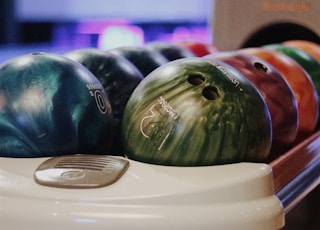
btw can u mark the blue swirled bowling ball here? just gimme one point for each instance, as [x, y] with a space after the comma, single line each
[51, 105]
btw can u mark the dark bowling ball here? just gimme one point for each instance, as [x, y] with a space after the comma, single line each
[277, 93]
[144, 59]
[119, 78]
[170, 51]
[51, 105]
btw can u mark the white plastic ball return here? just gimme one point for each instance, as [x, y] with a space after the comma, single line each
[109, 192]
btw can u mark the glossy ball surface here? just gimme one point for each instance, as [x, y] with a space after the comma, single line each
[119, 78]
[301, 85]
[278, 95]
[200, 49]
[50, 105]
[195, 112]
[145, 60]
[310, 47]
[170, 50]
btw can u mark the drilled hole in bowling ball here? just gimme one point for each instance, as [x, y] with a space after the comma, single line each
[261, 67]
[210, 93]
[196, 79]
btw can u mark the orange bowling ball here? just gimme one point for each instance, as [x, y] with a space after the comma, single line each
[301, 85]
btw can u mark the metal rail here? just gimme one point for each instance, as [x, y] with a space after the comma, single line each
[297, 172]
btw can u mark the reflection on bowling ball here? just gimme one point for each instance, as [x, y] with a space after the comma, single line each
[51, 105]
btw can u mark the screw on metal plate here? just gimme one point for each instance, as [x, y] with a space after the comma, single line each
[81, 171]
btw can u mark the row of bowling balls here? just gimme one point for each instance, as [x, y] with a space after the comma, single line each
[177, 127]
[163, 103]
[289, 81]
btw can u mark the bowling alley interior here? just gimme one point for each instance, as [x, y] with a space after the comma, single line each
[215, 27]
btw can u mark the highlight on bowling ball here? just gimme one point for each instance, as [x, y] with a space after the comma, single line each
[51, 105]
[196, 112]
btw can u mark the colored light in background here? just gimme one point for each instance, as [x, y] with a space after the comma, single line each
[121, 35]
[111, 33]
[185, 33]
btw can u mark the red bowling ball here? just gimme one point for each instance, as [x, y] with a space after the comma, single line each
[301, 84]
[278, 95]
[200, 49]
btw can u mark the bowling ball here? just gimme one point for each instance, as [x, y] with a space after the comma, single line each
[170, 50]
[278, 95]
[119, 78]
[310, 47]
[196, 112]
[51, 105]
[200, 49]
[145, 60]
[306, 61]
[301, 85]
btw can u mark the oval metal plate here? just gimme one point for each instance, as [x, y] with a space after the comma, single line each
[81, 171]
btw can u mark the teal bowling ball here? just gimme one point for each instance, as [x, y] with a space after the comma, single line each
[51, 105]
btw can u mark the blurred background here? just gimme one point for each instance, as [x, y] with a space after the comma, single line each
[70, 24]
[63, 25]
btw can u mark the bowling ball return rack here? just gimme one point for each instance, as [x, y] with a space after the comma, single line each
[144, 196]
[297, 172]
